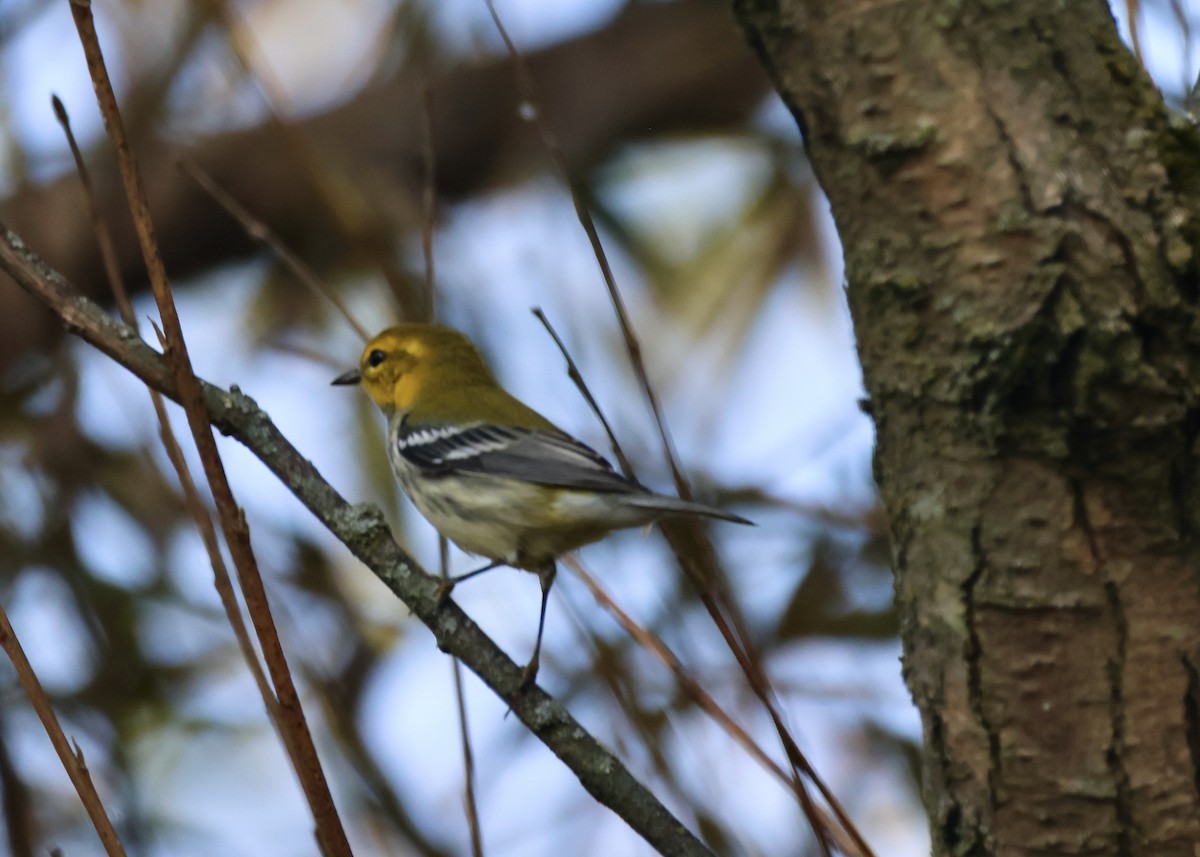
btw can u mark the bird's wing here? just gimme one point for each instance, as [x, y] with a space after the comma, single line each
[542, 456]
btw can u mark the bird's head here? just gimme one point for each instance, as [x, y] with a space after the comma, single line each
[404, 363]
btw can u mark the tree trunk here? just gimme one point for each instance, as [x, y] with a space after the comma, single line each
[1019, 217]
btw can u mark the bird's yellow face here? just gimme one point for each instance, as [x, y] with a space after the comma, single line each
[400, 363]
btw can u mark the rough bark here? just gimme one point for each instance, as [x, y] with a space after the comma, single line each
[344, 186]
[1019, 218]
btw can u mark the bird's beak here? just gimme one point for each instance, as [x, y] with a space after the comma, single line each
[347, 378]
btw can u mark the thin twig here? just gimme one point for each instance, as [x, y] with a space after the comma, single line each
[575, 375]
[1132, 9]
[429, 203]
[650, 641]
[249, 55]
[17, 802]
[698, 557]
[532, 103]
[428, 196]
[752, 668]
[653, 643]
[1191, 87]
[331, 836]
[201, 515]
[607, 668]
[72, 759]
[363, 530]
[464, 733]
[108, 252]
[350, 212]
[341, 695]
[259, 231]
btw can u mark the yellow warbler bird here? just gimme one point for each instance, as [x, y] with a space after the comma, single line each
[490, 473]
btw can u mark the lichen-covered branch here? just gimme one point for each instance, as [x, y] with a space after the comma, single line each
[362, 529]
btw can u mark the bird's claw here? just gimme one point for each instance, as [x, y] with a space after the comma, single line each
[443, 591]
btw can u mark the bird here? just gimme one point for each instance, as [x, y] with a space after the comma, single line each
[491, 474]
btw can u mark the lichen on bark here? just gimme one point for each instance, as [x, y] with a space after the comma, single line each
[1018, 213]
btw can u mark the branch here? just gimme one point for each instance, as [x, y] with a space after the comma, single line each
[289, 716]
[686, 538]
[72, 760]
[222, 582]
[362, 529]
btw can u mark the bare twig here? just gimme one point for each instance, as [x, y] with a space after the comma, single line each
[652, 643]
[686, 539]
[329, 831]
[1132, 9]
[532, 105]
[16, 802]
[464, 733]
[606, 667]
[429, 202]
[575, 375]
[72, 759]
[250, 57]
[1184, 22]
[341, 694]
[363, 530]
[695, 691]
[108, 252]
[428, 196]
[259, 231]
[200, 514]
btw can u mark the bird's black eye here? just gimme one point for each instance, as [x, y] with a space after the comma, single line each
[376, 357]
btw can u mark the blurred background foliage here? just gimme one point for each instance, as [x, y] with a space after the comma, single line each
[311, 115]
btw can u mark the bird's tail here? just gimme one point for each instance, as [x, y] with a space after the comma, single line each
[674, 506]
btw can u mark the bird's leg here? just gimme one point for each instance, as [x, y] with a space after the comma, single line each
[546, 576]
[448, 583]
